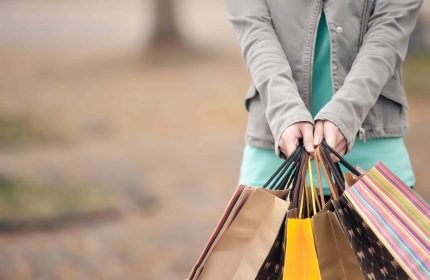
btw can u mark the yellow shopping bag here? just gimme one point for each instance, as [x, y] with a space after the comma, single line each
[301, 261]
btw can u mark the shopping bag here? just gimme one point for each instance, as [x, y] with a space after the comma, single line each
[300, 258]
[248, 229]
[397, 215]
[245, 237]
[376, 262]
[335, 256]
[236, 202]
[272, 267]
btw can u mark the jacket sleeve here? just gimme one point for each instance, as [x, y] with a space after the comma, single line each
[383, 51]
[268, 65]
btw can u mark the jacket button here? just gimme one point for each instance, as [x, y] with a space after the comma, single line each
[339, 29]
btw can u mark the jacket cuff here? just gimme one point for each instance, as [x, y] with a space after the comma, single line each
[349, 134]
[283, 123]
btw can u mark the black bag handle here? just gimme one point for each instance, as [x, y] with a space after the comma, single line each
[283, 184]
[299, 184]
[333, 169]
[341, 159]
[281, 172]
[288, 178]
[285, 171]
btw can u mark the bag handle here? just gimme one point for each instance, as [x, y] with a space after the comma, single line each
[311, 183]
[288, 179]
[326, 170]
[325, 153]
[284, 171]
[341, 159]
[297, 190]
[334, 170]
[319, 180]
[291, 175]
[306, 198]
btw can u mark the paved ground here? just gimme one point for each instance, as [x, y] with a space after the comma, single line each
[177, 143]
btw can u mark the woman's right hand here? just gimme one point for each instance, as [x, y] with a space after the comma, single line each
[292, 134]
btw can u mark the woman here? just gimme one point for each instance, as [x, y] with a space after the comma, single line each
[324, 69]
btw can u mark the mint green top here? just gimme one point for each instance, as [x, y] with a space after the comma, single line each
[258, 164]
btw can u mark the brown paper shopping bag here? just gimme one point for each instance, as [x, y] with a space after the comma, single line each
[335, 256]
[246, 243]
[236, 202]
[248, 229]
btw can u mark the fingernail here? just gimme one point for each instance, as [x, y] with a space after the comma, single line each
[310, 148]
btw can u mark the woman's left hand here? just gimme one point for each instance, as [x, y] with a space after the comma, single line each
[331, 133]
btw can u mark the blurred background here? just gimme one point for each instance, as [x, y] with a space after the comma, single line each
[121, 133]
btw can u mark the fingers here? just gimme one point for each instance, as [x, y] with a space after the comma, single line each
[341, 147]
[312, 137]
[283, 147]
[318, 133]
[290, 138]
[330, 134]
[292, 143]
[308, 137]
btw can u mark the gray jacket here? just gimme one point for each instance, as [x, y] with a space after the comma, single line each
[369, 41]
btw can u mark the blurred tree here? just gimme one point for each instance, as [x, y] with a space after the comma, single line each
[166, 29]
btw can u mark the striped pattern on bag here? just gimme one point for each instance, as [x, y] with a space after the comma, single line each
[398, 216]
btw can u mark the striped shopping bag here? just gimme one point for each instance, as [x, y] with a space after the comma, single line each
[398, 217]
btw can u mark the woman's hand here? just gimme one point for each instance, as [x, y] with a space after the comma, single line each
[334, 138]
[292, 134]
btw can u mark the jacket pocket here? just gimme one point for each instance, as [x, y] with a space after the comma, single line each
[250, 94]
[394, 90]
[258, 128]
[390, 109]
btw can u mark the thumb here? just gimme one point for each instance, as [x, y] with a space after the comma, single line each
[330, 134]
[291, 143]
[308, 137]
[318, 133]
